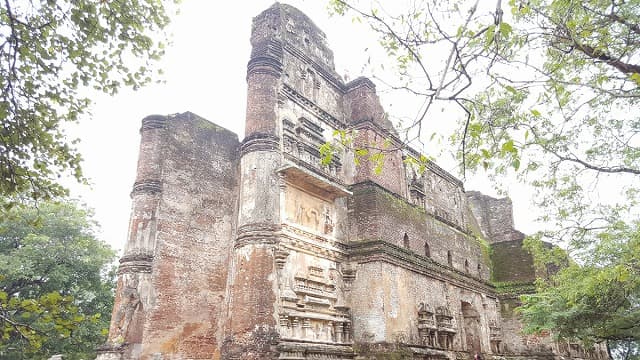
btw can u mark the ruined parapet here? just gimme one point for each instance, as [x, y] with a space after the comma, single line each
[362, 104]
[135, 293]
[180, 235]
[376, 134]
[495, 217]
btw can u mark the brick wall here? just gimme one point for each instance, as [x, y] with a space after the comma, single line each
[195, 231]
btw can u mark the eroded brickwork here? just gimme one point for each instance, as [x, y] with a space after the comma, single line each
[259, 250]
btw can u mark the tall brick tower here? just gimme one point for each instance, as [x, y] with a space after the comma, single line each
[290, 70]
[170, 297]
[251, 329]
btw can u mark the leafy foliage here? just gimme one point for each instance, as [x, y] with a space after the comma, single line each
[56, 295]
[51, 52]
[594, 301]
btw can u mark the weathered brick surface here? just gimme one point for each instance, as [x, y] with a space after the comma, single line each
[197, 220]
[378, 214]
[495, 217]
[389, 174]
[511, 263]
[261, 111]
[251, 325]
[260, 250]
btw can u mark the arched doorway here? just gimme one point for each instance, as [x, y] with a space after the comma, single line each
[471, 321]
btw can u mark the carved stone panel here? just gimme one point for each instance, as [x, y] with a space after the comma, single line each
[311, 305]
[309, 211]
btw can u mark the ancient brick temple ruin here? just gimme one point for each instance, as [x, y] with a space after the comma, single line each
[253, 249]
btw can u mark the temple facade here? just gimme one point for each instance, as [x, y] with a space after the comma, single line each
[259, 249]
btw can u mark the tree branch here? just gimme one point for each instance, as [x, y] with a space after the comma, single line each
[601, 55]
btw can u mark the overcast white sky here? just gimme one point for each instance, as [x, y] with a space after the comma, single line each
[205, 73]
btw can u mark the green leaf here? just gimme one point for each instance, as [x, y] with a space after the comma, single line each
[508, 147]
[489, 35]
[505, 30]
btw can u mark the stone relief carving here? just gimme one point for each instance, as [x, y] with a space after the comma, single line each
[302, 141]
[427, 329]
[129, 304]
[290, 26]
[495, 336]
[309, 211]
[435, 328]
[312, 311]
[328, 221]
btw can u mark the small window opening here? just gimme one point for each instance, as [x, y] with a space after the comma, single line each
[466, 266]
[427, 251]
[449, 258]
[405, 240]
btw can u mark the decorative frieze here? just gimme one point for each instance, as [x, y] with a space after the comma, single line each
[312, 107]
[446, 329]
[435, 328]
[310, 310]
[302, 141]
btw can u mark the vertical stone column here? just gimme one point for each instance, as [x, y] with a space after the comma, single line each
[252, 326]
[306, 329]
[338, 331]
[134, 292]
[296, 328]
[347, 332]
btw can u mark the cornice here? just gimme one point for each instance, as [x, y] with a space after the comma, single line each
[291, 94]
[378, 250]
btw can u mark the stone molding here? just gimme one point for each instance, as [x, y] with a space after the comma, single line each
[303, 241]
[266, 58]
[154, 122]
[257, 233]
[110, 351]
[260, 142]
[359, 82]
[379, 250]
[301, 349]
[146, 186]
[135, 263]
[312, 107]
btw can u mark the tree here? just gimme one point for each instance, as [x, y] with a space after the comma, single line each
[51, 53]
[594, 301]
[545, 91]
[56, 283]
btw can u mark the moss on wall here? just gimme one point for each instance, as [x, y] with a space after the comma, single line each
[511, 263]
